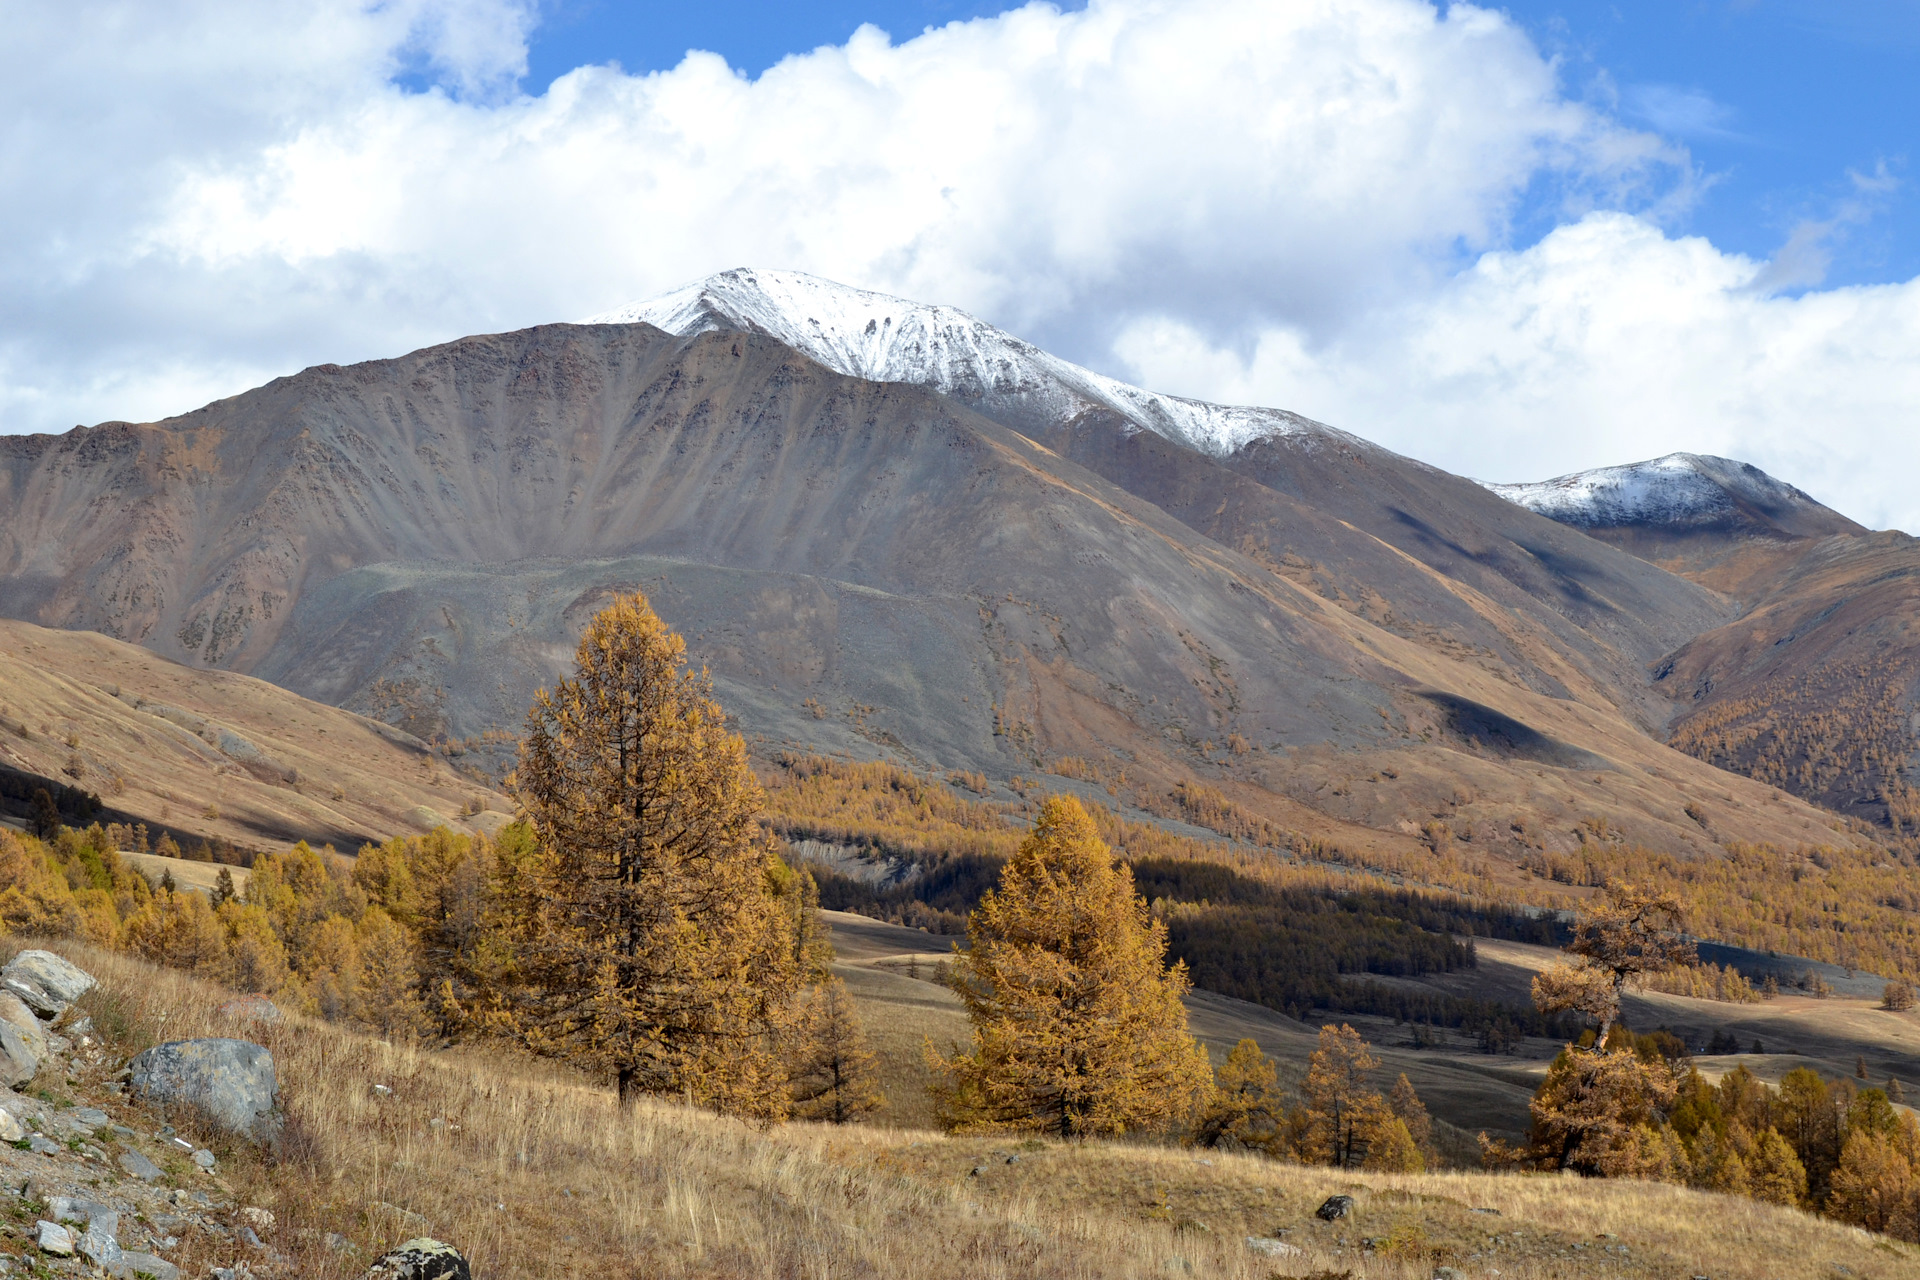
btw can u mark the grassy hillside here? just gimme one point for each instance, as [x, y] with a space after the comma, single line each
[538, 1174]
[210, 753]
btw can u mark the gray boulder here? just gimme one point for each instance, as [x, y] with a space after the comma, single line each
[98, 1245]
[46, 983]
[18, 1061]
[421, 1259]
[1334, 1207]
[1273, 1247]
[230, 1082]
[14, 1011]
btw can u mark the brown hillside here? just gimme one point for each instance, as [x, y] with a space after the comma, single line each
[1816, 687]
[177, 746]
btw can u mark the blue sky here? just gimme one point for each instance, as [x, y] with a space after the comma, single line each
[1799, 114]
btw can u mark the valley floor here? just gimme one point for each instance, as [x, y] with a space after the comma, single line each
[1467, 1090]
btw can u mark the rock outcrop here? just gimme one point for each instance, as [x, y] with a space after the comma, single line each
[45, 982]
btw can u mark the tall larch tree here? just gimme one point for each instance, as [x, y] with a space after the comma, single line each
[1601, 1110]
[1627, 933]
[642, 933]
[1078, 1027]
[835, 1075]
[1246, 1107]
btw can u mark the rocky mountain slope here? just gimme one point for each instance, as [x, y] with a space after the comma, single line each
[1815, 686]
[1008, 566]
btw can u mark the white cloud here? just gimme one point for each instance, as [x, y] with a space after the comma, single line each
[1609, 341]
[1305, 203]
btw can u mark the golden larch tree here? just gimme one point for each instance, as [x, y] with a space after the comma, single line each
[1078, 1027]
[1246, 1107]
[642, 932]
[1603, 1110]
[835, 1075]
[1346, 1121]
[1628, 933]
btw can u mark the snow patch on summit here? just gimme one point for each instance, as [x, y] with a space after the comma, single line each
[886, 339]
[1677, 491]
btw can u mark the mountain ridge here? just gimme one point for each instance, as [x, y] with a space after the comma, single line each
[1350, 642]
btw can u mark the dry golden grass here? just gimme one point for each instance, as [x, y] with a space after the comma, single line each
[535, 1173]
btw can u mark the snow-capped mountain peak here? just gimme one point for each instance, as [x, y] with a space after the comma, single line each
[886, 339]
[1681, 490]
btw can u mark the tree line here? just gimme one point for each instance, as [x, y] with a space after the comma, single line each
[1294, 948]
[1614, 1104]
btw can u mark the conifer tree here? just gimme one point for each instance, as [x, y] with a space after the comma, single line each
[1629, 932]
[1246, 1108]
[1601, 1113]
[1405, 1103]
[1078, 1027]
[1778, 1177]
[44, 820]
[1347, 1122]
[388, 979]
[641, 935]
[835, 1077]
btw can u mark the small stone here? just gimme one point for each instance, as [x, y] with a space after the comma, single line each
[261, 1219]
[383, 1091]
[91, 1117]
[1334, 1207]
[249, 1237]
[98, 1245]
[339, 1243]
[11, 1130]
[133, 1264]
[421, 1259]
[1449, 1273]
[46, 983]
[1268, 1247]
[138, 1166]
[54, 1239]
[44, 1146]
[203, 1158]
[81, 1027]
[74, 1209]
